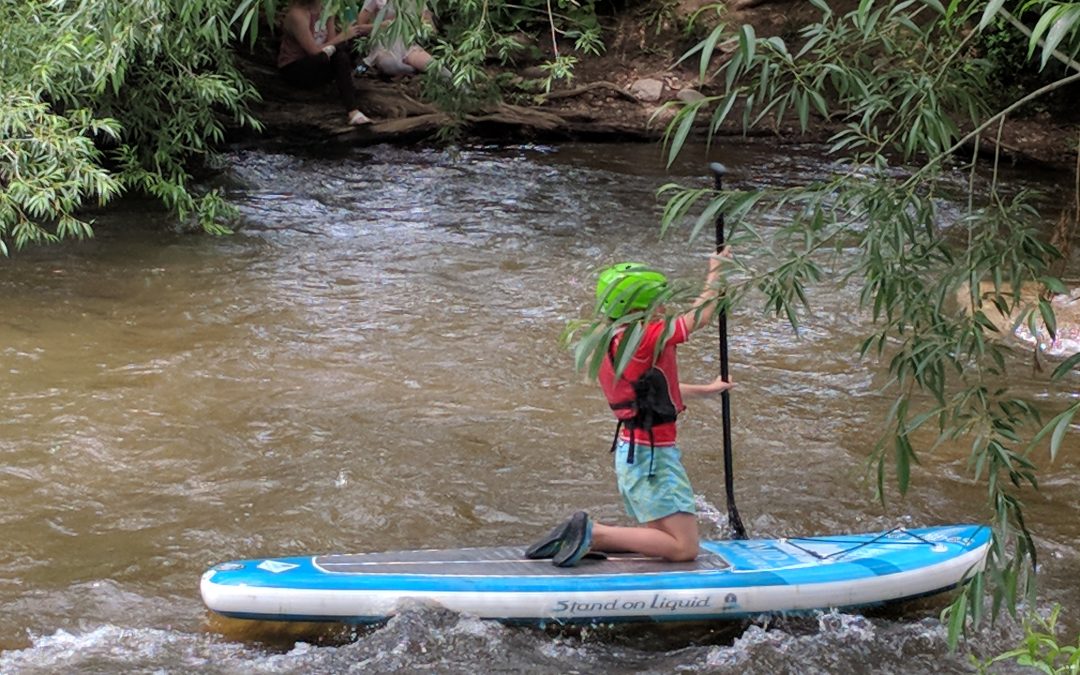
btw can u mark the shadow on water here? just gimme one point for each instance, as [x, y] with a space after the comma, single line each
[283, 635]
[663, 636]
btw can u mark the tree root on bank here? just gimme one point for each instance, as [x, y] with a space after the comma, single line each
[592, 86]
[294, 117]
[520, 116]
[400, 118]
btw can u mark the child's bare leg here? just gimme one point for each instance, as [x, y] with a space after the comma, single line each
[673, 538]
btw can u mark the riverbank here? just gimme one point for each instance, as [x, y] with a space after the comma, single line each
[628, 93]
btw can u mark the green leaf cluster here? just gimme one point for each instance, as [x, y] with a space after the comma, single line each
[893, 72]
[1041, 649]
[107, 96]
[475, 32]
[1058, 26]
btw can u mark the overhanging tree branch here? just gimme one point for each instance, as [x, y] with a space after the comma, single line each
[1071, 63]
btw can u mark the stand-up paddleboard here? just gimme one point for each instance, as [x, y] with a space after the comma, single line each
[730, 579]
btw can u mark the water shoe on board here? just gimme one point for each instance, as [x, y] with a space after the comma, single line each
[576, 541]
[549, 545]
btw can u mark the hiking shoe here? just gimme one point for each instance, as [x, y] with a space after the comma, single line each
[549, 545]
[575, 542]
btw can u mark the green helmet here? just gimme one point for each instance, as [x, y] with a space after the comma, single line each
[627, 287]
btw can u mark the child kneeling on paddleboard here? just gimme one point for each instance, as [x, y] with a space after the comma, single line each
[646, 399]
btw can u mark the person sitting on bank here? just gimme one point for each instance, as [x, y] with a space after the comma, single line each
[312, 53]
[393, 59]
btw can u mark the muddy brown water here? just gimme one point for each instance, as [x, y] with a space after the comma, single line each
[374, 363]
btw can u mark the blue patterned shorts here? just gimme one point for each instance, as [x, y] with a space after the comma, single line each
[648, 498]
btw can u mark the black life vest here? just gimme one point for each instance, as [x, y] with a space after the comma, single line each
[651, 405]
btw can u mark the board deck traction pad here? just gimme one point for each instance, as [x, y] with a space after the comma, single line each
[501, 561]
[503, 584]
[504, 561]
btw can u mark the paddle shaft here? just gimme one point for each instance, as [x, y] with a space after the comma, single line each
[725, 397]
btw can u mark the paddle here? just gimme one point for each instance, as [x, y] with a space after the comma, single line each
[734, 521]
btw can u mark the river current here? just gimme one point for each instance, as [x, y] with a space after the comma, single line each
[373, 362]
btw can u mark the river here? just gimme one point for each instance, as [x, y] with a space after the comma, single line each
[374, 363]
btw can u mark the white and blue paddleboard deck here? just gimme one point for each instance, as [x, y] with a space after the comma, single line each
[730, 579]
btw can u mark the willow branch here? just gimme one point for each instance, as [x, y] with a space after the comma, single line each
[554, 37]
[1065, 81]
[1042, 43]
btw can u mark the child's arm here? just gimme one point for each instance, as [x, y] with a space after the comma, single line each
[699, 390]
[701, 312]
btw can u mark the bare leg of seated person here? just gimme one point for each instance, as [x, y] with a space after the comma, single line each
[342, 66]
[390, 65]
[418, 58]
[317, 69]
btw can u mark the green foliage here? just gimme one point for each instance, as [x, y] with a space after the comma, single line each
[900, 78]
[1008, 51]
[1040, 649]
[562, 68]
[1058, 25]
[474, 32]
[1010, 70]
[892, 74]
[48, 170]
[107, 96]
[661, 15]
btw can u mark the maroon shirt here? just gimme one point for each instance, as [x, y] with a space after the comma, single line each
[291, 50]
